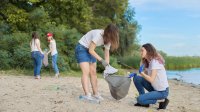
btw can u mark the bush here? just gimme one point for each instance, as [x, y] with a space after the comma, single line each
[5, 59]
[63, 63]
[22, 57]
[131, 61]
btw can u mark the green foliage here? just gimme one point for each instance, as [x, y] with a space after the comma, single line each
[34, 1]
[176, 63]
[130, 61]
[75, 13]
[17, 50]
[107, 11]
[128, 29]
[62, 63]
[68, 20]
[22, 57]
[39, 18]
[16, 17]
[5, 59]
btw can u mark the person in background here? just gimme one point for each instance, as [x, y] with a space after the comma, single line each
[154, 79]
[54, 53]
[36, 54]
[86, 56]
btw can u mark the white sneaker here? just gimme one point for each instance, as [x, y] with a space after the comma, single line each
[57, 75]
[85, 97]
[37, 77]
[88, 98]
[98, 97]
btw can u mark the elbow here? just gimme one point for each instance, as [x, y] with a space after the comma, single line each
[91, 51]
[151, 80]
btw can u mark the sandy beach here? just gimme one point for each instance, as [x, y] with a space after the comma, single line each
[25, 94]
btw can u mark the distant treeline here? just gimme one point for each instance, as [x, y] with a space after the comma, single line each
[171, 62]
[186, 62]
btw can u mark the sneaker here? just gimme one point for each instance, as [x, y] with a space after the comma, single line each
[88, 98]
[163, 105]
[137, 104]
[98, 97]
[37, 77]
[57, 75]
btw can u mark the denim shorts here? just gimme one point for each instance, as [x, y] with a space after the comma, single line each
[83, 55]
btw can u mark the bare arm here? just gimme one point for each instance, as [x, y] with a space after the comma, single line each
[92, 51]
[50, 49]
[107, 55]
[150, 78]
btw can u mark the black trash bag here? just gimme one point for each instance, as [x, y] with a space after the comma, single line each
[118, 85]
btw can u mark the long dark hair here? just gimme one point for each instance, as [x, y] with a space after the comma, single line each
[151, 54]
[34, 36]
[111, 35]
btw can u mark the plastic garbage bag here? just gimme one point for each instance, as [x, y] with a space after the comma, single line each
[45, 59]
[118, 85]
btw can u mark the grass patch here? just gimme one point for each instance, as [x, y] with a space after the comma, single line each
[71, 73]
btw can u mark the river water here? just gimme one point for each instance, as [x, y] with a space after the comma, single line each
[188, 76]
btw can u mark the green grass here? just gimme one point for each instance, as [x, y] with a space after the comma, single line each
[20, 72]
[45, 73]
[178, 63]
[171, 62]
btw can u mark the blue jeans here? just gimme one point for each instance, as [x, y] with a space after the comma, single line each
[54, 63]
[37, 61]
[152, 96]
[83, 55]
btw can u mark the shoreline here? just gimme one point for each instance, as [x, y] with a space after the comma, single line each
[181, 82]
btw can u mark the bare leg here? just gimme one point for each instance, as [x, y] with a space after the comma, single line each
[93, 78]
[84, 79]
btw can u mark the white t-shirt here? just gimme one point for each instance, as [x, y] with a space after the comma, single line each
[52, 46]
[95, 36]
[160, 83]
[33, 45]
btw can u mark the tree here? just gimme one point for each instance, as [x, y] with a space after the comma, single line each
[128, 30]
[74, 13]
[107, 11]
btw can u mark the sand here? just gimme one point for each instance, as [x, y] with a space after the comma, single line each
[26, 94]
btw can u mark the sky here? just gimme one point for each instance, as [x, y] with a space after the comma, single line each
[172, 26]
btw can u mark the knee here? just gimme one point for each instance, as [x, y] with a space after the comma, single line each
[137, 79]
[140, 100]
[93, 72]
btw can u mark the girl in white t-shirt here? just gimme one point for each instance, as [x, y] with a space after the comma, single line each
[154, 79]
[54, 53]
[86, 56]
